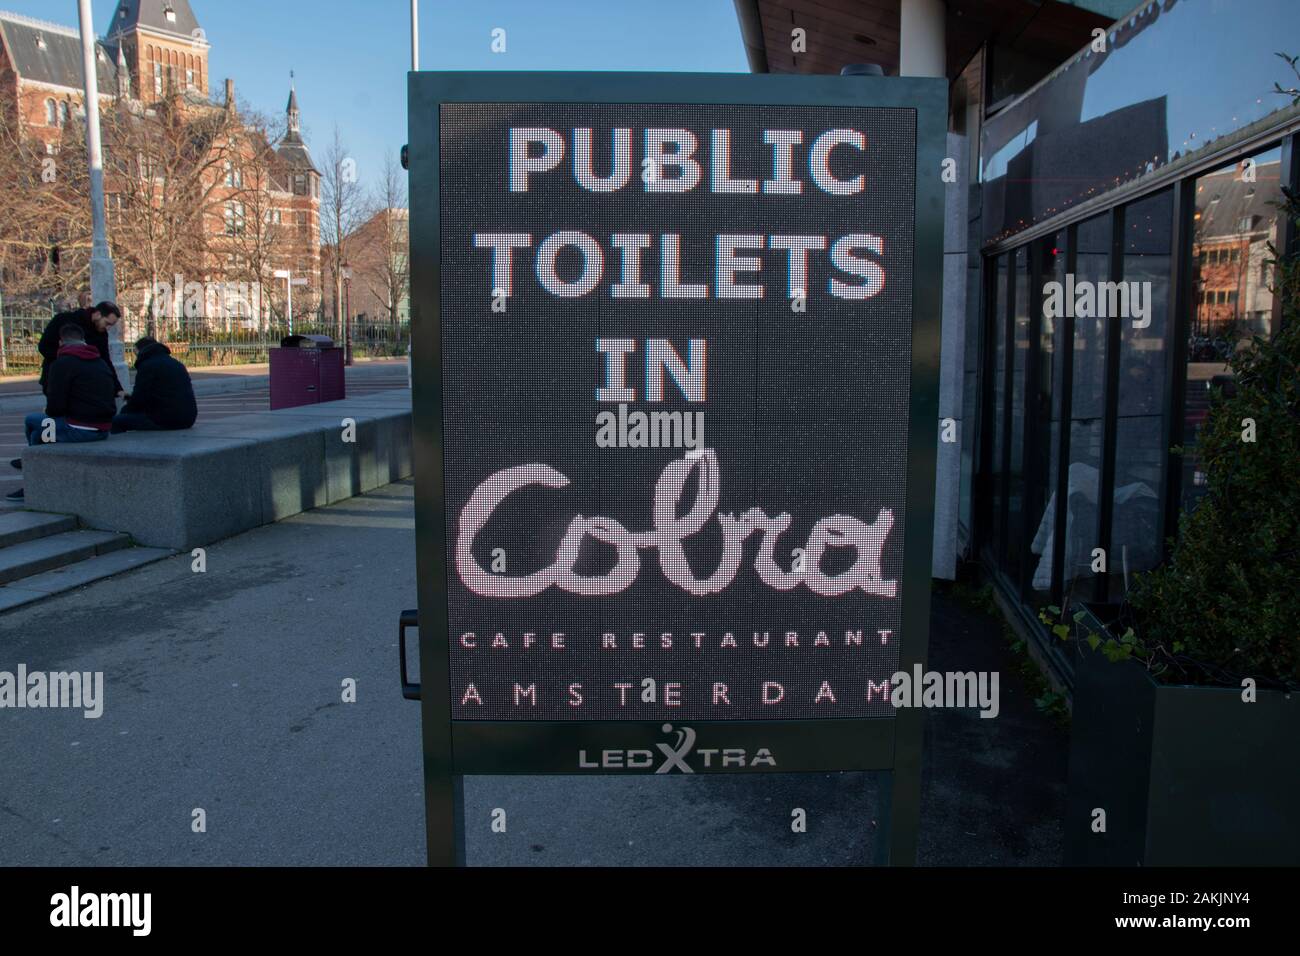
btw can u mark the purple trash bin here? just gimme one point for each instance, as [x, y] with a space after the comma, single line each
[306, 370]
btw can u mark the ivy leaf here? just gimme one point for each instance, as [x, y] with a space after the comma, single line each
[1062, 631]
[1093, 641]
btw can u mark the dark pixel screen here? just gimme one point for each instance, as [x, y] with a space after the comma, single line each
[676, 345]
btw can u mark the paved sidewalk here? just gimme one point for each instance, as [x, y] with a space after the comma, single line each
[222, 692]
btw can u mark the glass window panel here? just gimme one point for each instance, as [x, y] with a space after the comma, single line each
[1015, 482]
[1042, 484]
[1140, 450]
[998, 328]
[1087, 409]
[1175, 77]
[970, 403]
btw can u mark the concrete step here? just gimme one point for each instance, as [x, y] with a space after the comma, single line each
[80, 573]
[56, 550]
[19, 526]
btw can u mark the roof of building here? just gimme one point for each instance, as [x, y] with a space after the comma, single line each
[162, 16]
[291, 149]
[294, 152]
[843, 32]
[1225, 200]
[51, 53]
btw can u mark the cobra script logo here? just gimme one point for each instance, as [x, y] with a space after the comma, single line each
[676, 755]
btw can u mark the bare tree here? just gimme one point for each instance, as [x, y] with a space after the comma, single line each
[388, 272]
[44, 217]
[342, 207]
[251, 251]
[171, 174]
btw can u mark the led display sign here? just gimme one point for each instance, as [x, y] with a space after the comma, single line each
[675, 389]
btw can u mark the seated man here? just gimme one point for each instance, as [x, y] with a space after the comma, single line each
[80, 391]
[163, 396]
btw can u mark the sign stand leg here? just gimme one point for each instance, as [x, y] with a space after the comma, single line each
[458, 832]
[883, 834]
[443, 819]
[905, 800]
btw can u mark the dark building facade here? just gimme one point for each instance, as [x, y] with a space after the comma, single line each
[1108, 240]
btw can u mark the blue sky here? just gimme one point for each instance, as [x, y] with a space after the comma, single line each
[350, 57]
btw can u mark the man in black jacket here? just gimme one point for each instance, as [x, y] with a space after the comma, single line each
[79, 396]
[94, 323]
[163, 396]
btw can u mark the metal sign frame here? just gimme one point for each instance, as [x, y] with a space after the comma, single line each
[453, 748]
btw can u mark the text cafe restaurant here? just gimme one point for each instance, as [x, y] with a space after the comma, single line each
[1096, 142]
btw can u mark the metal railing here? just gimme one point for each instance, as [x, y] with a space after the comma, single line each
[19, 335]
[201, 341]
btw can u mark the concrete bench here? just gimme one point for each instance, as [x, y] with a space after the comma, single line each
[186, 489]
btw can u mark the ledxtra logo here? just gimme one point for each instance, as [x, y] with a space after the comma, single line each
[675, 755]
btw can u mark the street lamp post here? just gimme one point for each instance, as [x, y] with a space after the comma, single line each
[103, 281]
[347, 314]
[415, 34]
[287, 276]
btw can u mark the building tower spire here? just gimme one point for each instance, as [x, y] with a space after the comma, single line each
[123, 72]
[292, 109]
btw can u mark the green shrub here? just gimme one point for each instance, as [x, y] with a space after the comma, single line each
[1226, 598]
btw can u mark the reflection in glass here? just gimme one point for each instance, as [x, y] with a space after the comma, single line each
[1232, 298]
[1175, 78]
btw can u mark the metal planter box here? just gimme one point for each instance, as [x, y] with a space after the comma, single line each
[1187, 775]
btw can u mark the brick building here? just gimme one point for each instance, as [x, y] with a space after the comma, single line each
[376, 253]
[153, 65]
[1234, 222]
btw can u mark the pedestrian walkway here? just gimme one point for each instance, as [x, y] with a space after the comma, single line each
[222, 691]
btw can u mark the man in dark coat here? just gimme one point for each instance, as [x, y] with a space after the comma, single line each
[94, 323]
[163, 396]
[79, 396]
